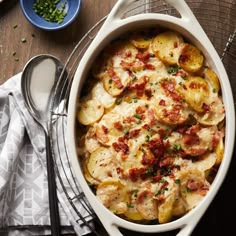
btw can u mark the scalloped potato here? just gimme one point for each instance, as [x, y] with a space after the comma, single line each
[152, 126]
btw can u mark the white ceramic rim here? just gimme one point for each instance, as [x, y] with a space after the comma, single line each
[188, 26]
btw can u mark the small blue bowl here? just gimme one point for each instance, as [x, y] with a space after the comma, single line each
[72, 9]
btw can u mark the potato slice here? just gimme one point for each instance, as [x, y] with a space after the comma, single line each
[193, 187]
[165, 209]
[132, 213]
[147, 205]
[100, 94]
[191, 58]
[87, 175]
[179, 207]
[195, 91]
[219, 150]
[140, 41]
[215, 115]
[206, 162]
[112, 193]
[101, 164]
[90, 111]
[91, 143]
[213, 79]
[166, 46]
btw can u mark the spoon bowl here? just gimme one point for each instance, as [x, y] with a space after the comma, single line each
[39, 79]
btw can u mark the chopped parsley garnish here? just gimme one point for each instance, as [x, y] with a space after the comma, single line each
[173, 70]
[50, 11]
[118, 101]
[137, 116]
[129, 205]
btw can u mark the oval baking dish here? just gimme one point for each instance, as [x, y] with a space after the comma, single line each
[113, 28]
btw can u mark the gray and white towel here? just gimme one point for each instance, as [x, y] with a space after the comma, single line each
[23, 177]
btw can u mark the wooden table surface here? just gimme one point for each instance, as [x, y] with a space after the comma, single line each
[14, 54]
[14, 27]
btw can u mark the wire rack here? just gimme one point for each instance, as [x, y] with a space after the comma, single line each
[218, 19]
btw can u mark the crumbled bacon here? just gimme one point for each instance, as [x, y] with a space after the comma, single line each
[157, 147]
[118, 125]
[162, 102]
[149, 66]
[140, 110]
[105, 129]
[143, 56]
[169, 88]
[121, 147]
[191, 139]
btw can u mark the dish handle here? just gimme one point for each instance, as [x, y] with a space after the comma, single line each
[185, 230]
[187, 16]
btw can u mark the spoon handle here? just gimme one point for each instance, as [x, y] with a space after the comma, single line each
[52, 190]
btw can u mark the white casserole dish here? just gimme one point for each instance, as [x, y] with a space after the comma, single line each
[189, 27]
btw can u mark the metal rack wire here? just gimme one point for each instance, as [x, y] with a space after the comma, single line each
[218, 19]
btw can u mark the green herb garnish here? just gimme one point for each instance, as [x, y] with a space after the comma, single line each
[50, 10]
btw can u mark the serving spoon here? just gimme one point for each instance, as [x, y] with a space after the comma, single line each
[38, 82]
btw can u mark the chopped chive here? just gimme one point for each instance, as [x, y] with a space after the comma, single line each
[50, 10]
[23, 40]
[15, 26]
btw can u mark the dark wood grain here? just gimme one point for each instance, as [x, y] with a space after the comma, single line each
[59, 43]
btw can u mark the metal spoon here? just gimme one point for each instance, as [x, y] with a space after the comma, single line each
[38, 81]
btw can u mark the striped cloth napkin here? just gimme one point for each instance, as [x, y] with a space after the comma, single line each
[23, 177]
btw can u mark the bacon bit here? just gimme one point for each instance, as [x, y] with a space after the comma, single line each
[216, 138]
[105, 129]
[143, 56]
[135, 173]
[102, 137]
[206, 107]
[156, 178]
[160, 197]
[175, 44]
[124, 157]
[169, 88]
[194, 185]
[149, 160]
[118, 125]
[148, 93]
[125, 65]
[151, 117]
[130, 119]
[157, 147]
[162, 102]
[181, 73]
[121, 147]
[111, 72]
[164, 185]
[191, 139]
[140, 110]
[133, 133]
[119, 170]
[117, 81]
[162, 133]
[139, 86]
[193, 129]
[167, 161]
[149, 66]
[146, 126]
[182, 129]
[174, 113]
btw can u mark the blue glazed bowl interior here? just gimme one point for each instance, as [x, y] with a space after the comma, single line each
[72, 9]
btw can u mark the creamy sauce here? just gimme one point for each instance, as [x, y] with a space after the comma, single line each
[43, 78]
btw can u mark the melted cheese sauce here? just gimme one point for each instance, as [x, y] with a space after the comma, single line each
[153, 151]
